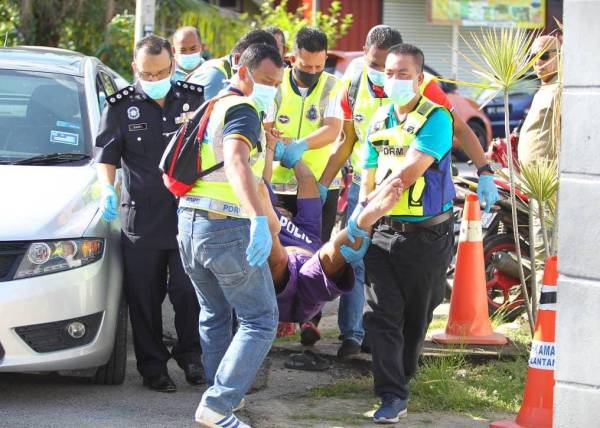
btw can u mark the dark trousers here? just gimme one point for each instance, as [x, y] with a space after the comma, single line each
[329, 212]
[406, 278]
[149, 275]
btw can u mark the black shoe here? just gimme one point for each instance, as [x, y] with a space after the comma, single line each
[348, 348]
[160, 383]
[194, 374]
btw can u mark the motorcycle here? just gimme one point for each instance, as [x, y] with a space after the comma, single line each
[505, 296]
[498, 149]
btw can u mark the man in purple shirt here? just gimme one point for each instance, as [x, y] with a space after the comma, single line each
[306, 273]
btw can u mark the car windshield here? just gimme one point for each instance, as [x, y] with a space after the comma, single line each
[40, 114]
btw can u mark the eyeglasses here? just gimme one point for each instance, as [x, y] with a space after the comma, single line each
[161, 74]
[544, 57]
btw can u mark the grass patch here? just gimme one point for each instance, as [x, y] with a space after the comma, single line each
[452, 384]
[344, 388]
[437, 323]
[331, 334]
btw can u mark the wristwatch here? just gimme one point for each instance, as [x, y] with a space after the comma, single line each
[485, 168]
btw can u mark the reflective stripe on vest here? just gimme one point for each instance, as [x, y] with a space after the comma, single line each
[363, 110]
[392, 145]
[297, 116]
[213, 191]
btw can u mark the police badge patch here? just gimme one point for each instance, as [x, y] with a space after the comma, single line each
[312, 114]
[133, 113]
[283, 119]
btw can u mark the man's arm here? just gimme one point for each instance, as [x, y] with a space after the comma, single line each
[106, 173]
[307, 185]
[332, 261]
[109, 144]
[325, 134]
[468, 141]
[466, 138]
[340, 152]
[241, 178]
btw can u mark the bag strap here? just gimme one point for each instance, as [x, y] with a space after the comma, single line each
[353, 88]
[208, 106]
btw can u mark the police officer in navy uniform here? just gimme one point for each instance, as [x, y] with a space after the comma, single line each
[135, 129]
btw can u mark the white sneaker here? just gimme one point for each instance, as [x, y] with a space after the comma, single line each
[240, 406]
[208, 418]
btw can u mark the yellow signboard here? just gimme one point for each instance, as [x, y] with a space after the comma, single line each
[487, 13]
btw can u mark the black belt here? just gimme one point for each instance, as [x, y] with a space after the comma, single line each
[405, 226]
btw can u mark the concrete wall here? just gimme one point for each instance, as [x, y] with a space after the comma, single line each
[577, 390]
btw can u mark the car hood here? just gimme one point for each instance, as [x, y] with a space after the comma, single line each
[46, 202]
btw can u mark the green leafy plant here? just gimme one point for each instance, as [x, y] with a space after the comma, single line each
[501, 60]
[116, 50]
[331, 23]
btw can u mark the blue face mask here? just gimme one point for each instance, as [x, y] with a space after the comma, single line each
[375, 76]
[399, 91]
[189, 61]
[263, 95]
[157, 89]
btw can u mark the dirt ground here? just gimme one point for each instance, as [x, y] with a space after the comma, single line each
[286, 402]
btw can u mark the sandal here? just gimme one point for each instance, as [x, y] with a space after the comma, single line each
[307, 360]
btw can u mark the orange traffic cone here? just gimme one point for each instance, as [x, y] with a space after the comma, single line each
[536, 411]
[468, 321]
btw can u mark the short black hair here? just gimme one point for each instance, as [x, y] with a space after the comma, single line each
[252, 37]
[154, 45]
[383, 37]
[256, 53]
[273, 30]
[407, 49]
[310, 39]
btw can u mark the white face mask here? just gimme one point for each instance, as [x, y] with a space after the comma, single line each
[262, 95]
[189, 61]
[399, 91]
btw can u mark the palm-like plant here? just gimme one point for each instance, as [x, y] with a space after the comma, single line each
[501, 60]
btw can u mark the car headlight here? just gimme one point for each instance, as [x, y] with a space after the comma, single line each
[47, 257]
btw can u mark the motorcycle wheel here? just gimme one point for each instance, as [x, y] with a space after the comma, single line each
[505, 296]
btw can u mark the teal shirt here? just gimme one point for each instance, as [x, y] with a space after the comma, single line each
[434, 139]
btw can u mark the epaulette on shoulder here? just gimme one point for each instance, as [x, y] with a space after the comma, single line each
[124, 93]
[193, 87]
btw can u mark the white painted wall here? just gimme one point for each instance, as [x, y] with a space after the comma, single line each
[577, 390]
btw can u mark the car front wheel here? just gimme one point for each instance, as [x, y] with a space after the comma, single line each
[113, 372]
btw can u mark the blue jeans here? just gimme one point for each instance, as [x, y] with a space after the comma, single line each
[213, 253]
[350, 312]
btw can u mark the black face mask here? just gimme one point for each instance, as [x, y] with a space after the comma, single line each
[307, 79]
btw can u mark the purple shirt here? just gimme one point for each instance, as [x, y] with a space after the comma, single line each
[308, 288]
[304, 229]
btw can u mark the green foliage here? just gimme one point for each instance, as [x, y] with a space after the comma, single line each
[116, 50]
[219, 33]
[9, 19]
[331, 23]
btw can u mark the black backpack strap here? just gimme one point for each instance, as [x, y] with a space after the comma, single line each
[211, 169]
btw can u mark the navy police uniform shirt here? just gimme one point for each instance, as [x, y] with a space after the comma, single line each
[134, 132]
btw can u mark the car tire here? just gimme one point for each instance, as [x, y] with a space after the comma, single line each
[113, 372]
[479, 129]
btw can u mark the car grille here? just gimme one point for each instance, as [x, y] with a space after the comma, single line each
[10, 257]
[53, 336]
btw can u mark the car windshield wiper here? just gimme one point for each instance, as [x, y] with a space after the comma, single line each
[52, 158]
